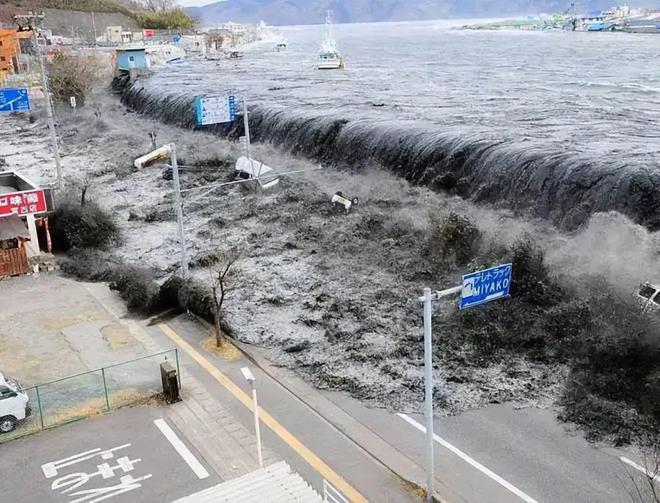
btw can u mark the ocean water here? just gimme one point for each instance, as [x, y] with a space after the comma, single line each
[556, 124]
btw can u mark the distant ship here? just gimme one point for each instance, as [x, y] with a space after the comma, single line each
[648, 25]
[329, 57]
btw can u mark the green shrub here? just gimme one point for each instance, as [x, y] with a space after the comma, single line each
[88, 265]
[137, 286]
[82, 226]
[454, 239]
[164, 20]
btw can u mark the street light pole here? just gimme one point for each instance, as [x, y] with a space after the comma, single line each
[253, 383]
[428, 391]
[179, 210]
[427, 299]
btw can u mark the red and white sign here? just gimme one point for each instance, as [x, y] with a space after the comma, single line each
[148, 33]
[23, 203]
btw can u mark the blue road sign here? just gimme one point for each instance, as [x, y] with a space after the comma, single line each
[14, 100]
[483, 286]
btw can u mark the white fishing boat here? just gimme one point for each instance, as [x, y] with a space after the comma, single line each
[329, 57]
[282, 43]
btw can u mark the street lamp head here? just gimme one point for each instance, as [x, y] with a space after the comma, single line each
[249, 376]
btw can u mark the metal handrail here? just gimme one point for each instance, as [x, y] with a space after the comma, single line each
[332, 495]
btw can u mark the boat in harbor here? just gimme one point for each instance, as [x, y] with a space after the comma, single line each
[329, 57]
[649, 24]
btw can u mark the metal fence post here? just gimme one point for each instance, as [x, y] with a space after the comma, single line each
[178, 369]
[41, 414]
[105, 389]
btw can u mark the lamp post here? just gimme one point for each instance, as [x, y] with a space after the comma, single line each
[476, 288]
[249, 377]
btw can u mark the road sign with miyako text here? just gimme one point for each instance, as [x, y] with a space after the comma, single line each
[484, 286]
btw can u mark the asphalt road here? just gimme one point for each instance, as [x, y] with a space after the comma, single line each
[118, 457]
[310, 432]
[495, 454]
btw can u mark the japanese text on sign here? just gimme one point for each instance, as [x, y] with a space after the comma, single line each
[215, 109]
[73, 484]
[483, 286]
[23, 203]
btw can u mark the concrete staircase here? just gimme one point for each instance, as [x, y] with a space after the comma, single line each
[273, 484]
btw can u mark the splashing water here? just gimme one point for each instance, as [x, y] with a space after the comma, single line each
[553, 125]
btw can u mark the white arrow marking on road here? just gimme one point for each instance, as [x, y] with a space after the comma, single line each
[181, 448]
[627, 461]
[471, 461]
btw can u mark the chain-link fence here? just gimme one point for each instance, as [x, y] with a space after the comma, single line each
[83, 395]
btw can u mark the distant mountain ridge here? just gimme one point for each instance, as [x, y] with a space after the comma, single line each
[292, 12]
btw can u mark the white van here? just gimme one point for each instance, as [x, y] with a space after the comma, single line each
[14, 404]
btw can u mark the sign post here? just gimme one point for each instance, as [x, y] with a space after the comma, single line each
[476, 288]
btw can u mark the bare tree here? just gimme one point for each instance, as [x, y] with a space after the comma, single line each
[646, 489]
[71, 75]
[159, 5]
[224, 280]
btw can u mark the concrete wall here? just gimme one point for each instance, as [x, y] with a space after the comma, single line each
[62, 21]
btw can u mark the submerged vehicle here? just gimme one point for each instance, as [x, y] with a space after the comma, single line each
[329, 57]
[649, 296]
[338, 199]
[14, 404]
[262, 175]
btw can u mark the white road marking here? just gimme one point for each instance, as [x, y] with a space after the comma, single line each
[627, 461]
[181, 448]
[471, 461]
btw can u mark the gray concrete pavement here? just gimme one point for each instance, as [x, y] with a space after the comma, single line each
[359, 469]
[531, 455]
[123, 456]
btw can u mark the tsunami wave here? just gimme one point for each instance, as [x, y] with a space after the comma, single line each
[561, 187]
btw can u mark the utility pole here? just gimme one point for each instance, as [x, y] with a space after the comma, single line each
[246, 126]
[179, 210]
[30, 22]
[94, 27]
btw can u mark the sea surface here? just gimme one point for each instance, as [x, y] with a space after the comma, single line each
[584, 106]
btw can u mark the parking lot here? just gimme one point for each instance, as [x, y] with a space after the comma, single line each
[133, 454]
[63, 342]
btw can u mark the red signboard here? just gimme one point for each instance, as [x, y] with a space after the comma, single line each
[148, 34]
[23, 203]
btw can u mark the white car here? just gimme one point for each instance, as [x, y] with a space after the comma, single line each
[649, 295]
[14, 404]
[257, 171]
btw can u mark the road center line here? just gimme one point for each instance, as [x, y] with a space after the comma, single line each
[630, 462]
[471, 461]
[312, 459]
[181, 448]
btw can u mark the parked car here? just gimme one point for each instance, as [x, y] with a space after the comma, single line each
[14, 404]
[649, 295]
